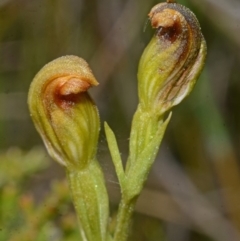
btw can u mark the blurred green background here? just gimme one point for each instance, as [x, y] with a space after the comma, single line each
[193, 192]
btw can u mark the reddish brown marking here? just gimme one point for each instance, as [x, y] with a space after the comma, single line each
[67, 101]
[170, 33]
[64, 92]
[68, 95]
[168, 24]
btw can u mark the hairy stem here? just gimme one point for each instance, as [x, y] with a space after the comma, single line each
[90, 200]
[124, 219]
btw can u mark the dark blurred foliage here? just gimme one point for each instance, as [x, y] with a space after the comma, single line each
[193, 192]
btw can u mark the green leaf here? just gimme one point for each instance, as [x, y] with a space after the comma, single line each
[115, 154]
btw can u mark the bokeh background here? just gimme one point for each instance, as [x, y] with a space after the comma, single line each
[193, 191]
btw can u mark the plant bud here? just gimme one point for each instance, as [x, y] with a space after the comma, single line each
[63, 112]
[173, 59]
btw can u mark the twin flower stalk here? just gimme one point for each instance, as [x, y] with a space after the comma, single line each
[67, 118]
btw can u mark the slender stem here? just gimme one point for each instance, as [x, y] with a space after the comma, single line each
[90, 200]
[124, 219]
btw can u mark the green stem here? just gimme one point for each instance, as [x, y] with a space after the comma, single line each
[148, 129]
[145, 124]
[124, 219]
[90, 200]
